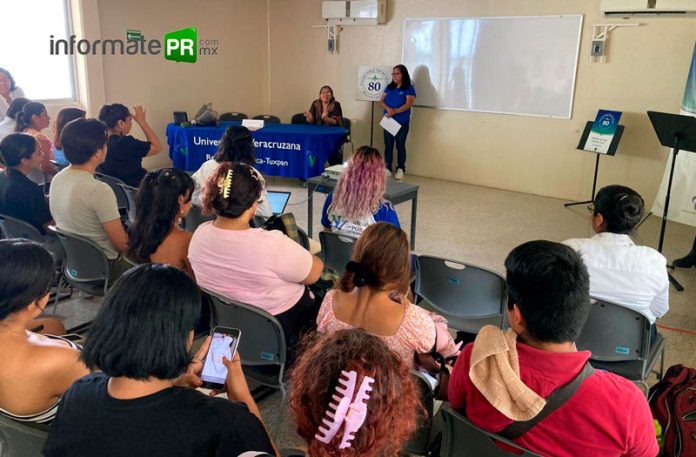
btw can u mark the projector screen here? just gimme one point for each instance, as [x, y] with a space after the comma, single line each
[509, 65]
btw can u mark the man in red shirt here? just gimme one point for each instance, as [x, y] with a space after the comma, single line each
[548, 303]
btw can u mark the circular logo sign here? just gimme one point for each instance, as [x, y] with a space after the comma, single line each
[372, 83]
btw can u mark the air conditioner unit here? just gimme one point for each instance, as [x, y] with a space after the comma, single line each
[647, 7]
[354, 12]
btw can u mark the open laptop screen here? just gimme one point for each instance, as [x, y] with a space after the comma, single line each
[278, 201]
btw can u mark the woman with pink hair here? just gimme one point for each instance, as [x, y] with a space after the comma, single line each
[358, 200]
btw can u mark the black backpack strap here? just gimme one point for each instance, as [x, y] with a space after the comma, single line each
[555, 400]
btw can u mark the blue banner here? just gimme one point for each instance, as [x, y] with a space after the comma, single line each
[295, 151]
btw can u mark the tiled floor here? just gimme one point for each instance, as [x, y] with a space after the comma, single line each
[481, 226]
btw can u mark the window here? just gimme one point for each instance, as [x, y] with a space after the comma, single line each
[25, 35]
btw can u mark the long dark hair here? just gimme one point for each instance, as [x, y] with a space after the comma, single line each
[405, 78]
[237, 145]
[64, 116]
[156, 209]
[24, 117]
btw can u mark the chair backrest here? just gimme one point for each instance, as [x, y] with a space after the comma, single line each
[461, 438]
[233, 116]
[262, 341]
[267, 118]
[129, 192]
[299, 118]
[346, 124]
[336, 250]
[468, 296]
[85, 262]
[614, 333]
[115, 184]
[194, 218]
[17, 228]
[20, 440]
[419, 441]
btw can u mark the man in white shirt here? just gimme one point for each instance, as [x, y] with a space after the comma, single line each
[621, 272]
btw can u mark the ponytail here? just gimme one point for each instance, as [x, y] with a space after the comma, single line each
[25, 116]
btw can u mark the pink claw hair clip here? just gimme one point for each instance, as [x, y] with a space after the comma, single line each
[345, 409]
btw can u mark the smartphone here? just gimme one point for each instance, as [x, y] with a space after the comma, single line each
[224, 343]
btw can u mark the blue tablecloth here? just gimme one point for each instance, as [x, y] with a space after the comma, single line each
[296, 151]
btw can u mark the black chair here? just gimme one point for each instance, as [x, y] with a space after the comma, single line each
[461, 438]
[194, 218]
[16, 228]
[299, 119]
[86, 267]
[267, 118]
[468, 296]
[336, 250]
[129, 192]
[115, 184]
[20, 440]
[233, 116]
[347, 124]
[262, 345]
[423, 435]
[620, 342]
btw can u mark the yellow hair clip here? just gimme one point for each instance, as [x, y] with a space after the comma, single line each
[224, 184]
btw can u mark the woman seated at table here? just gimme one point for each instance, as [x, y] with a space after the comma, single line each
[358, 199]
[143, 401]
[621, 272]
[163, 199]
[36, 369]
[258, 267]
[64, 116]
[32, 120]
[237, 145]
[372, 294]
[124, 159]
[325, 110]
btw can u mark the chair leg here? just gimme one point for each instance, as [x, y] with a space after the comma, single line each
[281, 408]
[58, 289]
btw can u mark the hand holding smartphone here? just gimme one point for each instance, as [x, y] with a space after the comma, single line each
[223, 344]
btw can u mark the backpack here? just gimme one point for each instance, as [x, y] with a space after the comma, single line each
[673, 404]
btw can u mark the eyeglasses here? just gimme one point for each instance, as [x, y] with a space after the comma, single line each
[395, 74]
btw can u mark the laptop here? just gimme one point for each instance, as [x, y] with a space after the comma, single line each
[278, 201]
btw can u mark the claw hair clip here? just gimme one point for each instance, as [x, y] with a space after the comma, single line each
[348, 409]
[224, 184]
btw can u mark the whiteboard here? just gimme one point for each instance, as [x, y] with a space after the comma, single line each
[511, 65]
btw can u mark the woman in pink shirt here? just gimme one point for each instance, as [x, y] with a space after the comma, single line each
[261, 268]
[33, 119]
[372, 295]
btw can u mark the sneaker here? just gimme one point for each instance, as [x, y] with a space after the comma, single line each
[399, 175]
[387, 172]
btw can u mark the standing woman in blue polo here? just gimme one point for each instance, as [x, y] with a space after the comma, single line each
[397, 100]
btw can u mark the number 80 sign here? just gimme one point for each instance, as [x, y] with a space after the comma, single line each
[372, 82]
